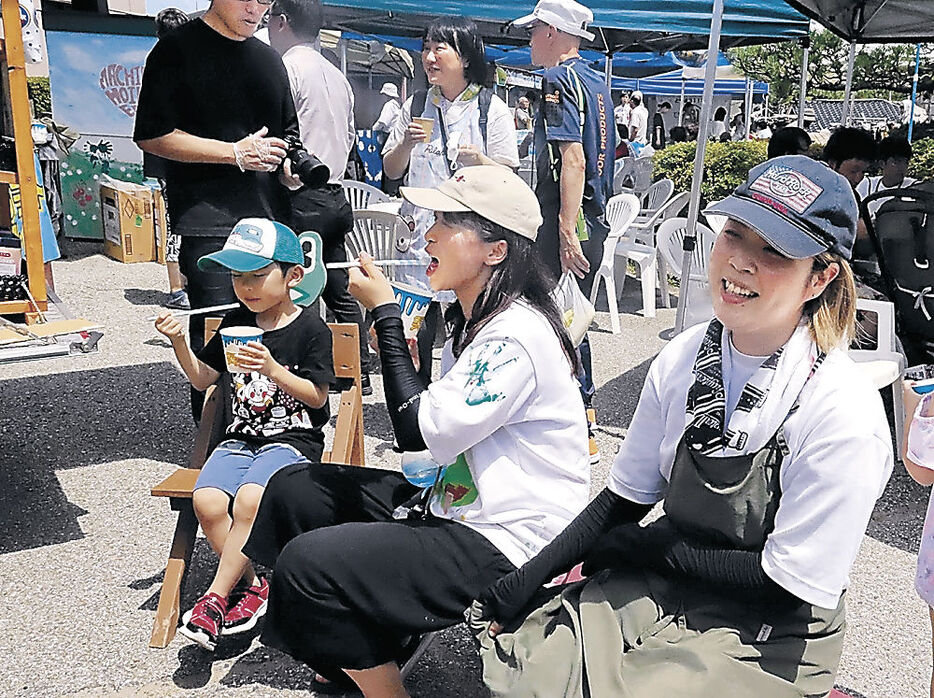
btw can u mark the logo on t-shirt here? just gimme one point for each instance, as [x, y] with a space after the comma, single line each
[483, 365]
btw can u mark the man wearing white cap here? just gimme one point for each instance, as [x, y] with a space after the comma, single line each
[387, 114]
[638, 120]
[575, 143]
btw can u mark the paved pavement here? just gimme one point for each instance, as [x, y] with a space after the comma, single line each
[83, 545]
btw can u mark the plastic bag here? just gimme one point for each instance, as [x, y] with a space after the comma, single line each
[577, 312]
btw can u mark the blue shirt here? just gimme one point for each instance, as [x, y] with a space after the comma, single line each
[559, 121]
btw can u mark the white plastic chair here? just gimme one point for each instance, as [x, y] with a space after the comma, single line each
[621, 211]
[361, 195]
[670, 248]
[623, 169]
[657, 196]
[383, 235]
[885, 364]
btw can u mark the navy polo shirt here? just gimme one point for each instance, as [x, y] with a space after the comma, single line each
[558, 121]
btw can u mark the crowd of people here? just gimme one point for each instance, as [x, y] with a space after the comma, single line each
[742, 428]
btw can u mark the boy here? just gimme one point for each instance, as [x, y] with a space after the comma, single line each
[279, 405]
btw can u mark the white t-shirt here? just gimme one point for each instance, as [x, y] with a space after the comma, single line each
[324, 105]
[387, 116]
[622, 113]
[717, 129]
[871, 185]
[840, 460]
[427, 166]
[508, 414]
[639, 125]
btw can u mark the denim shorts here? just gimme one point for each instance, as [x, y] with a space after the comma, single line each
[234, 463]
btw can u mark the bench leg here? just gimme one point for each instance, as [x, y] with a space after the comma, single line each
[166, 622]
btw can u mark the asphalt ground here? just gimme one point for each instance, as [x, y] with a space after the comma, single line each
[83, 545]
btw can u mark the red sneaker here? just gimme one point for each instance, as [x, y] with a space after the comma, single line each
[250, 607]
[202, 624]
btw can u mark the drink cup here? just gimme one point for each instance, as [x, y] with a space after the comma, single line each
[923, 376]
[234, 339]
[426, 124]
[414, 303]
[420, 469]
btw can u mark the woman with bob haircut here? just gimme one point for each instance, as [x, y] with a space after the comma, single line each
[769, 448]
[363, 570]
[470, 126]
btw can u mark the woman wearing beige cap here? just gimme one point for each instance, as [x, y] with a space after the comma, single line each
[366, 562]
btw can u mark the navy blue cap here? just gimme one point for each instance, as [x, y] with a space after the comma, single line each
[253, 244]
[798, 205]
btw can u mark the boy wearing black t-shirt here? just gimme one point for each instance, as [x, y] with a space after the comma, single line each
[279, 403]
[215, 103]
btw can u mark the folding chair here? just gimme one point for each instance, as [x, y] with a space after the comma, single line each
[347, 447]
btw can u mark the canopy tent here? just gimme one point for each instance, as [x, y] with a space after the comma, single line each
[870, 22]
[873, 21]
[636, 64]
[635, 24]
[681, 82]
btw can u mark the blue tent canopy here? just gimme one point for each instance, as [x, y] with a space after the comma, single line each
[636, 24]
[669, 85]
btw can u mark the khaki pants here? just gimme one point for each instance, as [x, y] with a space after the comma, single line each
[639, 635]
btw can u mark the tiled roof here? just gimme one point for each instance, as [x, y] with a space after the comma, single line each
[828, 113]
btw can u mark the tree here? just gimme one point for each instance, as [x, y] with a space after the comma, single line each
[879, 69]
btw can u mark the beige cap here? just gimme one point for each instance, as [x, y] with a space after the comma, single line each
[494, 192]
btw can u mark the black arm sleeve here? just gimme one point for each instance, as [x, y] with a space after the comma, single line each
[505, 598]
[400, 381]
[738, 569]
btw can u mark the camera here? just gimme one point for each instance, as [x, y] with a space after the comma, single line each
[306, 166]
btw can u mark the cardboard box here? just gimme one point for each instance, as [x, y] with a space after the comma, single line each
[126, 210]
[10, 259]
[159, 218]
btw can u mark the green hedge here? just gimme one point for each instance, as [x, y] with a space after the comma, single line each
[922, 159]
[40, 95]
[725, 166]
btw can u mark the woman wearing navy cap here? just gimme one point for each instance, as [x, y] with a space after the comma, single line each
[769, 449]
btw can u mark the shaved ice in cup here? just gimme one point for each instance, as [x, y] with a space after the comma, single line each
[234, 339]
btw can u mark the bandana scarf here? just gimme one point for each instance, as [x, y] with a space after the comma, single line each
[765, 402]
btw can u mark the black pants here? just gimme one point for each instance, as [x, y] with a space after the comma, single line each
[205, 288]
[325, 210]
[351, 584]
[550, 250]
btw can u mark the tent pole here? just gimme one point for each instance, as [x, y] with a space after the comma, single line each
[343, 43]
[681, 109]
[850, 64]
[747, 105]
[609, 69]
[703, 128]
[914, 92]
[802, 96]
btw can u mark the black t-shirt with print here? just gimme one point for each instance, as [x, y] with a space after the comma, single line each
[202, 83]
[262, 412]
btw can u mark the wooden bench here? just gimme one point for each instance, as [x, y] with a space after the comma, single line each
[346, 447]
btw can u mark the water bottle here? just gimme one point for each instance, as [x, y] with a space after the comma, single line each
[421, 469]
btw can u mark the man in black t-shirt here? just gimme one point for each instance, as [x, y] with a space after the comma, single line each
[215, 102]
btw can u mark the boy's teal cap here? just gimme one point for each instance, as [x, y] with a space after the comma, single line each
[253, 244]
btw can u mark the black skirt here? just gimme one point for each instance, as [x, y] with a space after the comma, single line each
[351, 585]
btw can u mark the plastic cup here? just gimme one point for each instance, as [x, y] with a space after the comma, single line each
[420, 469]
[234, 339]
[414, 303]
[427, 125]
[923, 376]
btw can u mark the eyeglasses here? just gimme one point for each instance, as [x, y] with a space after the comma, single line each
[266, 3]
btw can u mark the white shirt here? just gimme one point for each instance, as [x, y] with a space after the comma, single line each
[427, 165]
[622, 113]
[387, 116]
[871, 185]
[512, 407]
[717, 129]
[840, 460]
[639, 125]
[324, 104]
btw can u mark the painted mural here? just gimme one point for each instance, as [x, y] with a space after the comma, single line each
[95, 81]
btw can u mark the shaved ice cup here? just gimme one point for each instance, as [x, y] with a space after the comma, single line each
[414, 305]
